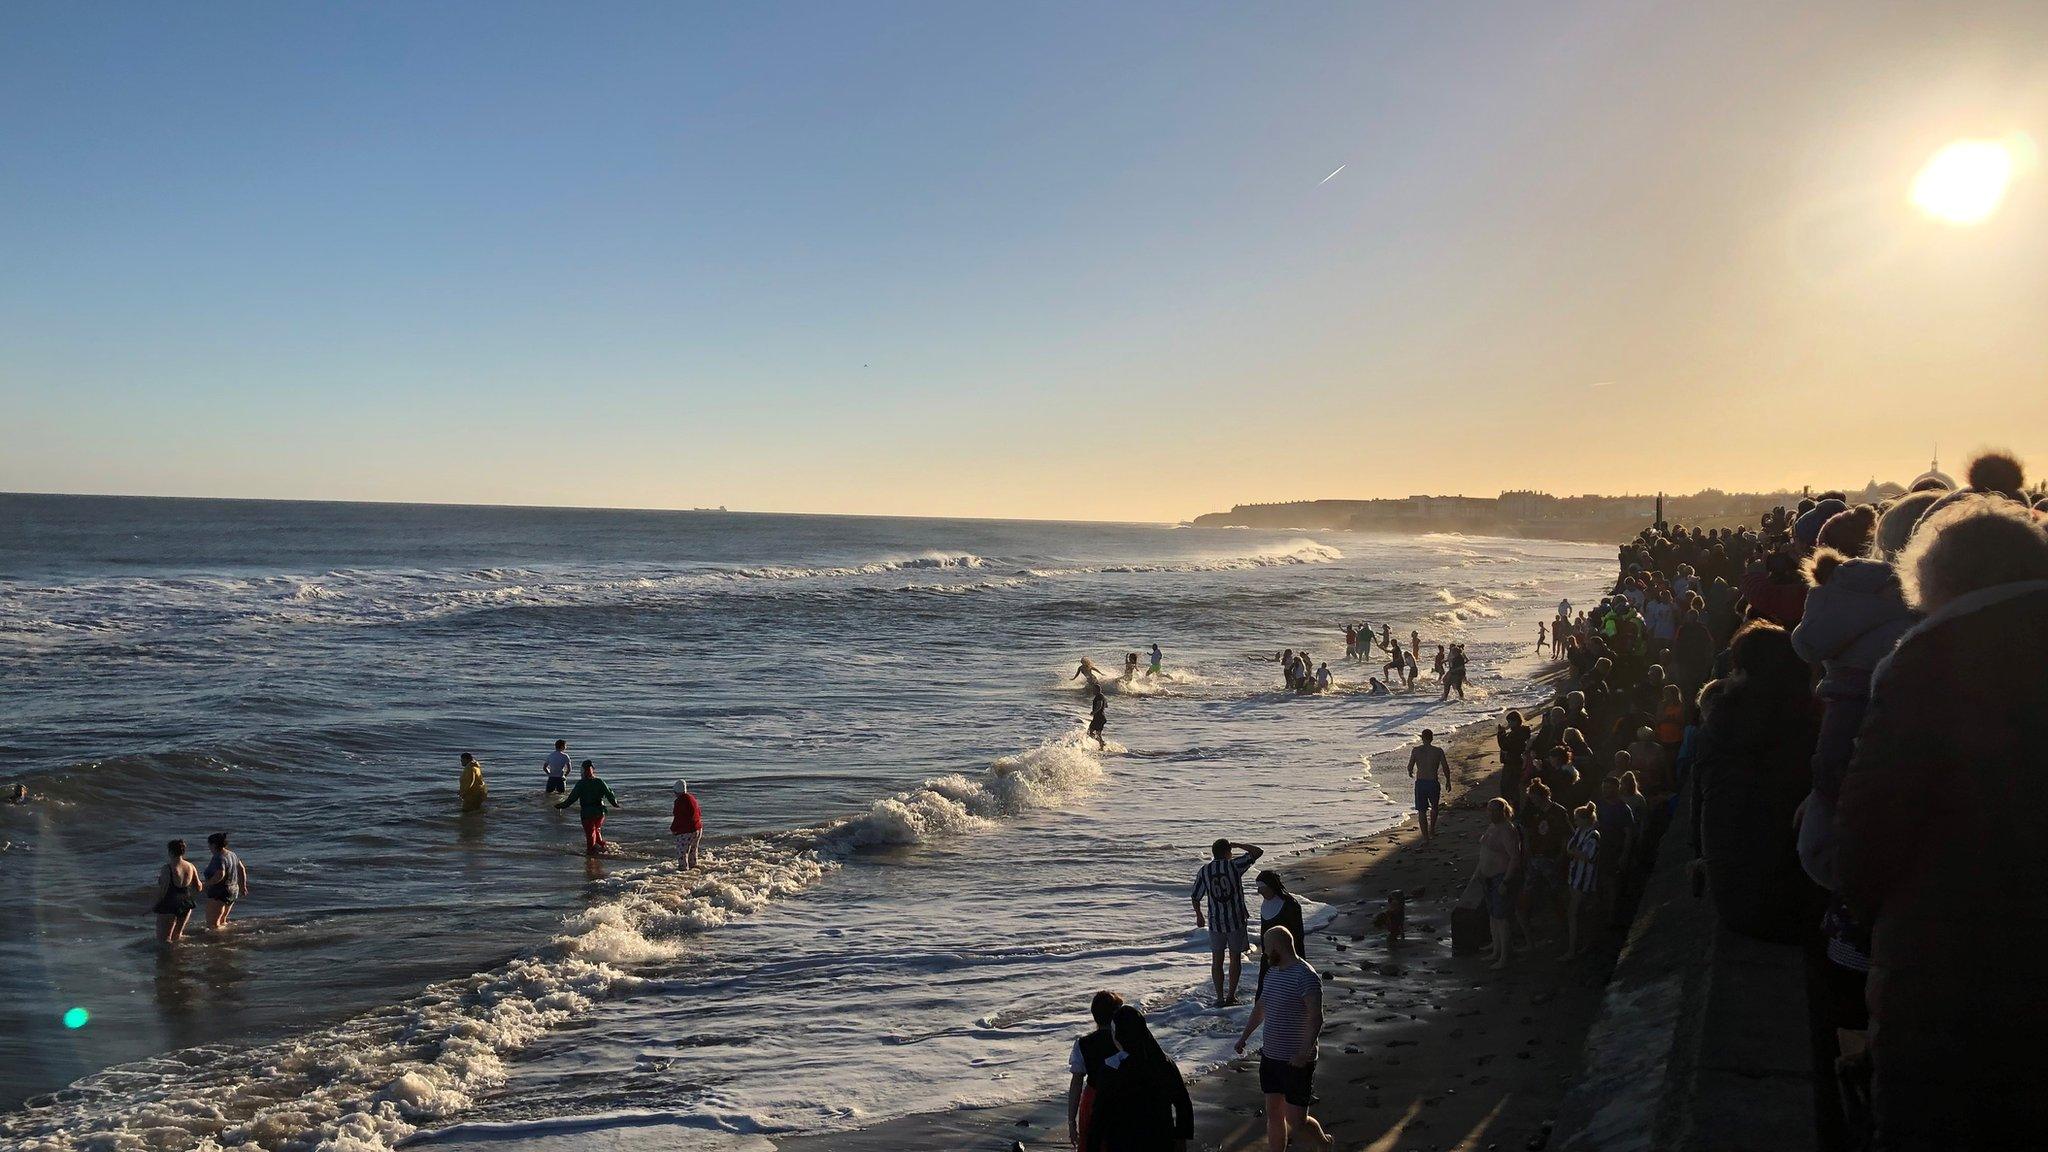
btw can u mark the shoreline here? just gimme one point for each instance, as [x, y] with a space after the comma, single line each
[1417, 1045]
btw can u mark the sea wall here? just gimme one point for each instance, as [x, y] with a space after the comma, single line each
[1700, 1044]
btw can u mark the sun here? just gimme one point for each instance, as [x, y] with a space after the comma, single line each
[1964, 182]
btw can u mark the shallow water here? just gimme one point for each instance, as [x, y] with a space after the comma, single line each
[915, 869]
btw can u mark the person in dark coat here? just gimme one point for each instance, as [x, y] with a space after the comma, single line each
[1938, 841]
[1514, 740]
[1278, 906]
[1751, 769]
[1141, 1104]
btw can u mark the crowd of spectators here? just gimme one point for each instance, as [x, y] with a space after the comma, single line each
[1847, 705]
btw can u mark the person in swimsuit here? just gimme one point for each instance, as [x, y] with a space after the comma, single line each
[1130, 665]
[1098, 717]
[593, 794]
[1088, 670]
[18, 794]
[1378, 689]
[1411, 670]
[1542, 637]
[1431, 770]
[1437, 669]
[471, 785]
[686, 824]
[226, 879]
[177, 884]
[557, 767]
[1158, 658]
[1350, 642]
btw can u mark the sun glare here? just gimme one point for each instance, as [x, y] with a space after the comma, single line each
[1964, 182]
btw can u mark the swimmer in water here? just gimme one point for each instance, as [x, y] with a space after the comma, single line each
[1098, 718]
[1323, 679]
[1158, 658]
[18, 794]
[471, 785]
[1378, 689]
[1089, 670]
[1438, 669]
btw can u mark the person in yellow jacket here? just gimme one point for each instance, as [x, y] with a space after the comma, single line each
[472, 785]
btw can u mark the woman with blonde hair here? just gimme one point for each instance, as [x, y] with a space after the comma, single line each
[1500, 857]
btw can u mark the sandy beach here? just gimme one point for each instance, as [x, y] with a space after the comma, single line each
[1421, 1050]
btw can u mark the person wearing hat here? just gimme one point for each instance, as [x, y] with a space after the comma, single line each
[687, 826]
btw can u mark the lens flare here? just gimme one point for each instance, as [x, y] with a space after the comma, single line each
[1965, 182]
[76, 1018]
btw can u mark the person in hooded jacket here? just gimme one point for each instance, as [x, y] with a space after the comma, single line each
[1750, 771]
[1938, 840]
[1141, 1102]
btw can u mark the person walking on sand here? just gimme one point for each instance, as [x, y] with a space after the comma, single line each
[226, 879]
[1290, 1012]
[592, 794]
[1277, 906]
[1086, 1064]
[1220, 884]
[1158, 658]
[177, 894]
[556, 767]
[1142, 1104]
[1098, 717]
[686, 824]
[471, 786]
[1431, 770]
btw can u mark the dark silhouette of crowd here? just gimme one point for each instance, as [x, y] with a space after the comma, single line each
[1847, 706]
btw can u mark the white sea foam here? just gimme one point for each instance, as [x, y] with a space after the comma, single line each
[370, 1082]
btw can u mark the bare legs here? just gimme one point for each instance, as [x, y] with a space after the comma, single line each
[171, 929]
[1225, 995]
[1281, 1117]
[217, 915]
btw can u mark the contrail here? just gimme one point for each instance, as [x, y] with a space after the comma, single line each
[1330, 177]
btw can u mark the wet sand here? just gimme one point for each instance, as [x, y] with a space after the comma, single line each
[1420, 1050]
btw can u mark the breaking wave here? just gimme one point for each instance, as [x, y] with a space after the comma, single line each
[370, 1082]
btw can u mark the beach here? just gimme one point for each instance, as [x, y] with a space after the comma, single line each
[916, 865]
[1419, 1049]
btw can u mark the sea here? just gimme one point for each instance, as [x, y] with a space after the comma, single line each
[916, 868]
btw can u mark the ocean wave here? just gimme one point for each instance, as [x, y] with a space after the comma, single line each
[370, 1082]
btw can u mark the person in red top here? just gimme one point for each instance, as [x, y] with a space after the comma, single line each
[687, 826]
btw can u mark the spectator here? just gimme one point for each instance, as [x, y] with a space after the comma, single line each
[1278, 906]
[1085, 1065]
[1750, 773]
[1938, 845]
[1142, 1103]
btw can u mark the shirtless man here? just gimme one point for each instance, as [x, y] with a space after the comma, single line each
[1431, 770]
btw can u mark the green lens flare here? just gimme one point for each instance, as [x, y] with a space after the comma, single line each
[76, 1018]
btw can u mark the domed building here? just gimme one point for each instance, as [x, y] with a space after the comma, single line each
[1933, 475]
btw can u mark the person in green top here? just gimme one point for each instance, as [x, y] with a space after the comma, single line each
[593, 795]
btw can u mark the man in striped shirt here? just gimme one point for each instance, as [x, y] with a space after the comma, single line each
[1290, 1009]
[1220, 884]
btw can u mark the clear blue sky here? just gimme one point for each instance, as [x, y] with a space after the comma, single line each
[1003, 259]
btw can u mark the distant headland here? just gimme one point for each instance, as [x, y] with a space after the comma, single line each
[1536, 515]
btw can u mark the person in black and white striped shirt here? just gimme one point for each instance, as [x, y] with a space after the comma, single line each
[1584, 853]
[1220, 885]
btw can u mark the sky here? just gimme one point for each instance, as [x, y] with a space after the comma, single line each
[1040, 260]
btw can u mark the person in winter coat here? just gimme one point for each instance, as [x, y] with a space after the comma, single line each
[1141, 1102]
[1938, 840]
[1750, 770]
